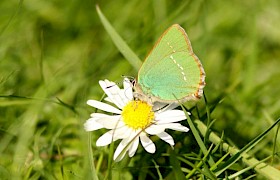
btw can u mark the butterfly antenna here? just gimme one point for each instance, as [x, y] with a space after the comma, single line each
[131, 78]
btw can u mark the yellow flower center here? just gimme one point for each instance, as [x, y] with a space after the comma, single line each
[138, 114]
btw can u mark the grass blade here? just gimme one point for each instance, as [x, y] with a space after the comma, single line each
[132, 58]
[262, 168]
[91, 160]
[198, 138]
[176, 167]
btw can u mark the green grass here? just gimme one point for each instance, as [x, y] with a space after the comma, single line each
[53, 53]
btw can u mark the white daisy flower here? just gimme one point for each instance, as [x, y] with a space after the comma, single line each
[132, 120]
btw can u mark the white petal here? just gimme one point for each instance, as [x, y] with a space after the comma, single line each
[108, 99]
[127, 83]
[132, 136]
[133, 147]
[172, 106]
[110, 122]
[167, 138]
[166, 107]
[123, 132]
[147, 143]
[154, 129]
[105, 139]
[170, 116]
[126, 95]
[174, 126]
[106, 84]
[92, 125]
[103, 106]
[127, 88]
[159, 106]
[121, 150]
[113, 92]
[99, 115]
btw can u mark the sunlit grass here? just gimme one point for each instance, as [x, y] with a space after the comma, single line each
[52, 55]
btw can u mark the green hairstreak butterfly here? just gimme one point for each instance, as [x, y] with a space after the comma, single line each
[171, 71]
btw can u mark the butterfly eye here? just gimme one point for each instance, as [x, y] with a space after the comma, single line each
[133, 82]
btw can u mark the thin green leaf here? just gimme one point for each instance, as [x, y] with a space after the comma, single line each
[246, 148]
[195, 167]
[275, 143]
[235, 175]
[206, 170]
[218, 145]
[220, 161]
[176, 166]
[26, 131]
[262, 168]
[132, 58]
[12, 17]
[91, 160]
[198, 138]
[158, 171]
[72, 108]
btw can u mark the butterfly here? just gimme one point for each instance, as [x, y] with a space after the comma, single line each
[171, 72]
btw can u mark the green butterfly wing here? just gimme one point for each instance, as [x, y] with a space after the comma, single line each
[171, 71]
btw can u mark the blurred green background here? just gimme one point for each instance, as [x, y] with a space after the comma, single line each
[53, 53]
